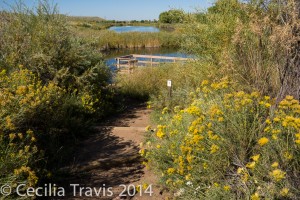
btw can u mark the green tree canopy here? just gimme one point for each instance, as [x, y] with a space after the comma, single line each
[172, 16]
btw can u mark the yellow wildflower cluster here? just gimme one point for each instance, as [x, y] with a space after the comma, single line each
[243, 173]
[255, 196]
[289, 103]
[160, 131]
[194, 110]
[297, 138]
[31, 176]
[88, 102]
[208, 88]
[215, 112]
[165, 110]
[277, 174]
[262, 141]
[149, 104]
[177, 119]
[227, 187]
[275, 165]
[284, 192]
[214, 148]
[171, 170]
[19, 151]
[148, 128]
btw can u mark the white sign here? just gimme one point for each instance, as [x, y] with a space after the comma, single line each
[169, 83]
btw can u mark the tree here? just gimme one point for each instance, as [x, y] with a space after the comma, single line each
[172, 16]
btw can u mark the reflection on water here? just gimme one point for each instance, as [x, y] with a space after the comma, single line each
[111, 55]
[122, 29]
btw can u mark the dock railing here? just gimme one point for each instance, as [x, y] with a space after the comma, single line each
[132, 60]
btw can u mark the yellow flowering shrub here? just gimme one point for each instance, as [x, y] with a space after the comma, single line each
[17, 151]
[234, 144]
[45, 108]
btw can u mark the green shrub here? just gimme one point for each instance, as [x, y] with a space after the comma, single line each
[39, 39]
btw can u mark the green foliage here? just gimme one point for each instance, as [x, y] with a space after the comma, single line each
[172, 16]
[41, 41]
[210, 35]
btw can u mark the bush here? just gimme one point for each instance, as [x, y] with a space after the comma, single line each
[39, 126]
[22, 97]
[18, 153]
[228, 144]
[39, 39]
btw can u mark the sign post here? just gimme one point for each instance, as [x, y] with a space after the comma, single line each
[169, 84]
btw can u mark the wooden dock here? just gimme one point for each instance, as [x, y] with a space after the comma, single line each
[129, 62]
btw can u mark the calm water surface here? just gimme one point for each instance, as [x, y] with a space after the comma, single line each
[122, 29]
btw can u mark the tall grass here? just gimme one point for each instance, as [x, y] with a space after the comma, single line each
[106, 39]
[151, 82]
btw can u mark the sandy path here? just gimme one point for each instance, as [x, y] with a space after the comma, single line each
[111, 158]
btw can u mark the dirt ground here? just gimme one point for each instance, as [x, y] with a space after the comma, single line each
[111, 159]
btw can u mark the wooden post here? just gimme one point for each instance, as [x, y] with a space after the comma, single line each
[118, 63]
[129, 66]
[151, 61]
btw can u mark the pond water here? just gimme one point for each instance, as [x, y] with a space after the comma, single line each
[122, 29]
[111, 55]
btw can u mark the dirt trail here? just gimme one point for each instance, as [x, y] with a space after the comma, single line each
[111, 158]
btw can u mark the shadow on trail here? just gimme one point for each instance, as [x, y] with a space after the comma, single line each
[104, 159]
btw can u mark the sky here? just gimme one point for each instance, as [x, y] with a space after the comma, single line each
[120, 9]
